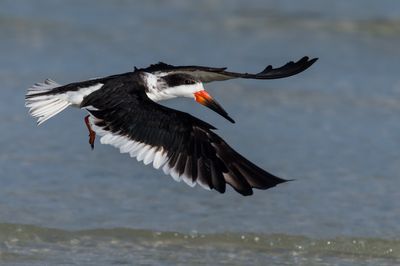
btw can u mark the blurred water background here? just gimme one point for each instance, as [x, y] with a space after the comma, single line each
[334, 128]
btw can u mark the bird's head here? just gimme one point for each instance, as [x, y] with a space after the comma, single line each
[185, 85]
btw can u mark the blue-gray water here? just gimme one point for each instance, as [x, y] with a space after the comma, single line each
[334, 128]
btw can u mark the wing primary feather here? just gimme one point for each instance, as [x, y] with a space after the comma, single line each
[217, 178]
[209, 74]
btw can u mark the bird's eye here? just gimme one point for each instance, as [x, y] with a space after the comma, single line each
[188, 81]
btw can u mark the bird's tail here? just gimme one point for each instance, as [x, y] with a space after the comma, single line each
[42, 103]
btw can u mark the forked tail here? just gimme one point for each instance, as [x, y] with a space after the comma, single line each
[42, 103]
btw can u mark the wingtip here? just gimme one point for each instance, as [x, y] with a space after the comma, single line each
[306, 62]
[312, 61]
[247, 192]
[306, 59]
[285, 180]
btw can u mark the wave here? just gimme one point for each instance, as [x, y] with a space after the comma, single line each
[31, 235]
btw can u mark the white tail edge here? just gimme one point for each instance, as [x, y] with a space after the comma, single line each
[44, 106]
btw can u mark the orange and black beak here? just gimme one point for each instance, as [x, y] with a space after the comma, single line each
[205, 99]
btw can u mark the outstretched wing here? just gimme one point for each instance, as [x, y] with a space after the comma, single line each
[209, 74]
[176, 142]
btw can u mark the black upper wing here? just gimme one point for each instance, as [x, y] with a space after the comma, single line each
[191, 150]
[209, 74]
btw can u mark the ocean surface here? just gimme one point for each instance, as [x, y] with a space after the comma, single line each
[334, 128]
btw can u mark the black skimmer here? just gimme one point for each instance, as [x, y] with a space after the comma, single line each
[123, 111]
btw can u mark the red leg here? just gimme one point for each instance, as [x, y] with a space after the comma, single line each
[92, 134]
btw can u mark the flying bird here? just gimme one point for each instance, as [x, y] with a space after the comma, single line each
[123, 110]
